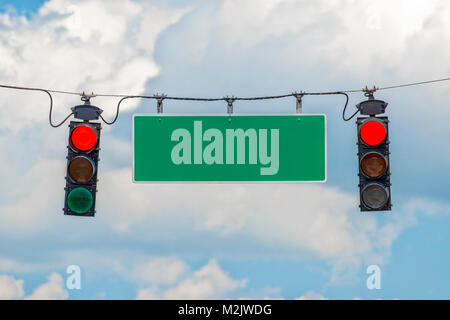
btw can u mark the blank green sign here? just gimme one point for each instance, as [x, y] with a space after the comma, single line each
[227, 148]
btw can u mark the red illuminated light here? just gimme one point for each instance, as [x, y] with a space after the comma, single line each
[83, 138]
[372, 133]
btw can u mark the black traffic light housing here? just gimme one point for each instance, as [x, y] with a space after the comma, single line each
[85, 180]
[374, 169]
[373, 155]
[82, 161]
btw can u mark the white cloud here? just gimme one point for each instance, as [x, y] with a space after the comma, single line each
[311, 218]
[428, 206]
[11, 265]
[311, 295]
[357, 36]
[72, 45]
[148, 294]
[209, 282]
[265, 293]
[53, 289]
[324, 45]
[10, 288]
[162, 270]
[100, 46]
[36, 205]
[314, 219]
[109, 46]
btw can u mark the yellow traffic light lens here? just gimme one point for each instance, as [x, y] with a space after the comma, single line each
[375, 195]
[373, 164]
[81, 169]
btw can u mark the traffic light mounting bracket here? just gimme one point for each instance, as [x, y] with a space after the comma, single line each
[371, 106]
[86, 111]
[298, 104]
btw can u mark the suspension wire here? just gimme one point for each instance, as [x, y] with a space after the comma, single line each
[49, 96]
[259, 98]
[227, 99]
[413, 84]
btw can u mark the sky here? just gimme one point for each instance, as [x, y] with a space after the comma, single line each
[233, 241]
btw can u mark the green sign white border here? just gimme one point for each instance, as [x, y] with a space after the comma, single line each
[231, 116]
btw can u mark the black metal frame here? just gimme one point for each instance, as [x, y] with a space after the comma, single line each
[383, 149]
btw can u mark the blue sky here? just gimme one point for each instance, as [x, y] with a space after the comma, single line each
[224, 241]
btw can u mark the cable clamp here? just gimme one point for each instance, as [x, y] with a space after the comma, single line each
[86, 97]
[369, 92]
[298, 96]
[159, 102]
[230, 101]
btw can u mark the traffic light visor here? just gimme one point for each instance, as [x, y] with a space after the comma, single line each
[80, 200]
[372, 132]
[83, 138]
[373, 164]
[375, 196]
[81, 169]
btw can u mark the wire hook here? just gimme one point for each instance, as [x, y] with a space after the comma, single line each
[159, 102]
[369, 92]
[230, 101]
[298, 97]
[86, 97]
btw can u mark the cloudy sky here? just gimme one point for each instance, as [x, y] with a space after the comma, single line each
[224, 241]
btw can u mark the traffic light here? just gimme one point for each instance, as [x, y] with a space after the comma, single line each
[373, 155]
[82, 164]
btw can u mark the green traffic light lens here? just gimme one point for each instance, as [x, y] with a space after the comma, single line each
[80, 200]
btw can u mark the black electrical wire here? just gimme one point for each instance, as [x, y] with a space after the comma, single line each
[118, 107]
[51, 102]
[412, 84]
[266, 97]
[232, 99]
[229, 100]
[344, 93]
